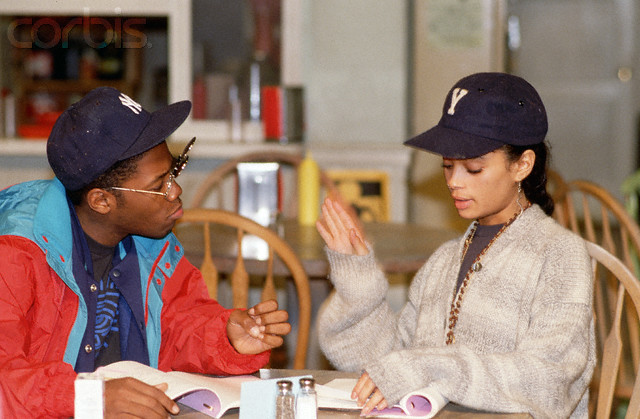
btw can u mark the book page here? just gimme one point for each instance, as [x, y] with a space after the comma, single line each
[336, 394]
[210, 395]
[227, 390]
[423, 403]
[147, 375]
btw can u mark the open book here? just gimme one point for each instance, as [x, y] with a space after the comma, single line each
[212, 396]
[423, 403]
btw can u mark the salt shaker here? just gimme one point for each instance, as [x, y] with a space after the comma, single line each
[285, 401]
[307, 401]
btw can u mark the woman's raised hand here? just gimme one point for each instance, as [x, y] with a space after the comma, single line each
[340, 232]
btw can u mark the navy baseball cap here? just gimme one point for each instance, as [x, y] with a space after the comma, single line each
[483, 112]
[105, 127]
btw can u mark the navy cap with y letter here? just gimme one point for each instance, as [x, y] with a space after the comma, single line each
[105, 127]
[483, 112]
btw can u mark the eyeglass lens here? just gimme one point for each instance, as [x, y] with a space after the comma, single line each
[169, 186]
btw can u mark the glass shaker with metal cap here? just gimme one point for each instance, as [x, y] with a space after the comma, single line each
[285, 401]
[306, 401]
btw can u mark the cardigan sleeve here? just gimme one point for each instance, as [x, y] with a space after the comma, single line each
[356, 324]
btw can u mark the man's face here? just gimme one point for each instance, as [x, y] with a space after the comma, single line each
[146, 214]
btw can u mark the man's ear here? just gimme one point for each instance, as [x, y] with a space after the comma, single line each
[100, 200]
[525, 164]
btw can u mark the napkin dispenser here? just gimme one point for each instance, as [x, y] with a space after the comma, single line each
[258, 199]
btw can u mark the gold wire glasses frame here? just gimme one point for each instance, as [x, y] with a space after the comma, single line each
[180, 164]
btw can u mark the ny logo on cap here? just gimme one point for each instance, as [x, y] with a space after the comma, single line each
[130, 103]
[456, 95]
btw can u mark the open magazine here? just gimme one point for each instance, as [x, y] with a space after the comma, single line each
[212, 396]
[423, 403]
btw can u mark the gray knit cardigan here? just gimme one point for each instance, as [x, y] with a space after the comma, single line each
[524, 339]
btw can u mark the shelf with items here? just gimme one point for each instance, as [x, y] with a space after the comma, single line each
[179, 32]
[56, 60]
[22, 148]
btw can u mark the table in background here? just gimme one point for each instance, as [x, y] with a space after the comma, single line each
[399, 247]
[450, 411]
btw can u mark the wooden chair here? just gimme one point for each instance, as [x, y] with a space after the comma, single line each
[592, 212]
[215, 189]
[281, 257]
[616, 294]
[557, 187]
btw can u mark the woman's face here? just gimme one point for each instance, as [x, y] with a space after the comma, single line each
[485, 187]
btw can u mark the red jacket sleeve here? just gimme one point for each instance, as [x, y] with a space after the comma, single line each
[36, 314]
[194, 329]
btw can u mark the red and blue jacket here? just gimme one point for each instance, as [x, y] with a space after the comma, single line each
[43, 315]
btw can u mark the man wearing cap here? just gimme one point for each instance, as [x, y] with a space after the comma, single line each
[90, 272]
[499, 319]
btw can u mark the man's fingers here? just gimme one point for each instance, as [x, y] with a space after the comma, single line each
[162, 387]
[128, 396]
[272, 340]
[278, 316]
[263, 307]
[277, 329]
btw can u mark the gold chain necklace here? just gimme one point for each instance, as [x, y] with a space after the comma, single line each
[475, 267]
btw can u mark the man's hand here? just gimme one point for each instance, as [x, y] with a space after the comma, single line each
[367, 395]
[258, 329]
[128, 397]
[339, 230]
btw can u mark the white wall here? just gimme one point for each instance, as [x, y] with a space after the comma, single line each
[356, 71]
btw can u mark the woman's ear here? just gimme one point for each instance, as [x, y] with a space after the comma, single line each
[100, 200]
[524, 165]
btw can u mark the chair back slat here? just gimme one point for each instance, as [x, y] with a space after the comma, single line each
[240, 278]
[208, 268]
[590, 232]
[572, 216]
[269, 289]
[600, 305]
[626, 250]
[607, 232]
[610, 367]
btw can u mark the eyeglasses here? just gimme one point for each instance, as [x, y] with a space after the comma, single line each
[179, 164]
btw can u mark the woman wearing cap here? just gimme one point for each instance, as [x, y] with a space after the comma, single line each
[499, 319]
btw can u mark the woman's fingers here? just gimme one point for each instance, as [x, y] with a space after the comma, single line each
[358, 242]
[375, 401]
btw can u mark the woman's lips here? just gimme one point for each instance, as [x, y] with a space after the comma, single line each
[461, 203]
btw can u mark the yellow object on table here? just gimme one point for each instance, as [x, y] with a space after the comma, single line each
[308, 190]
